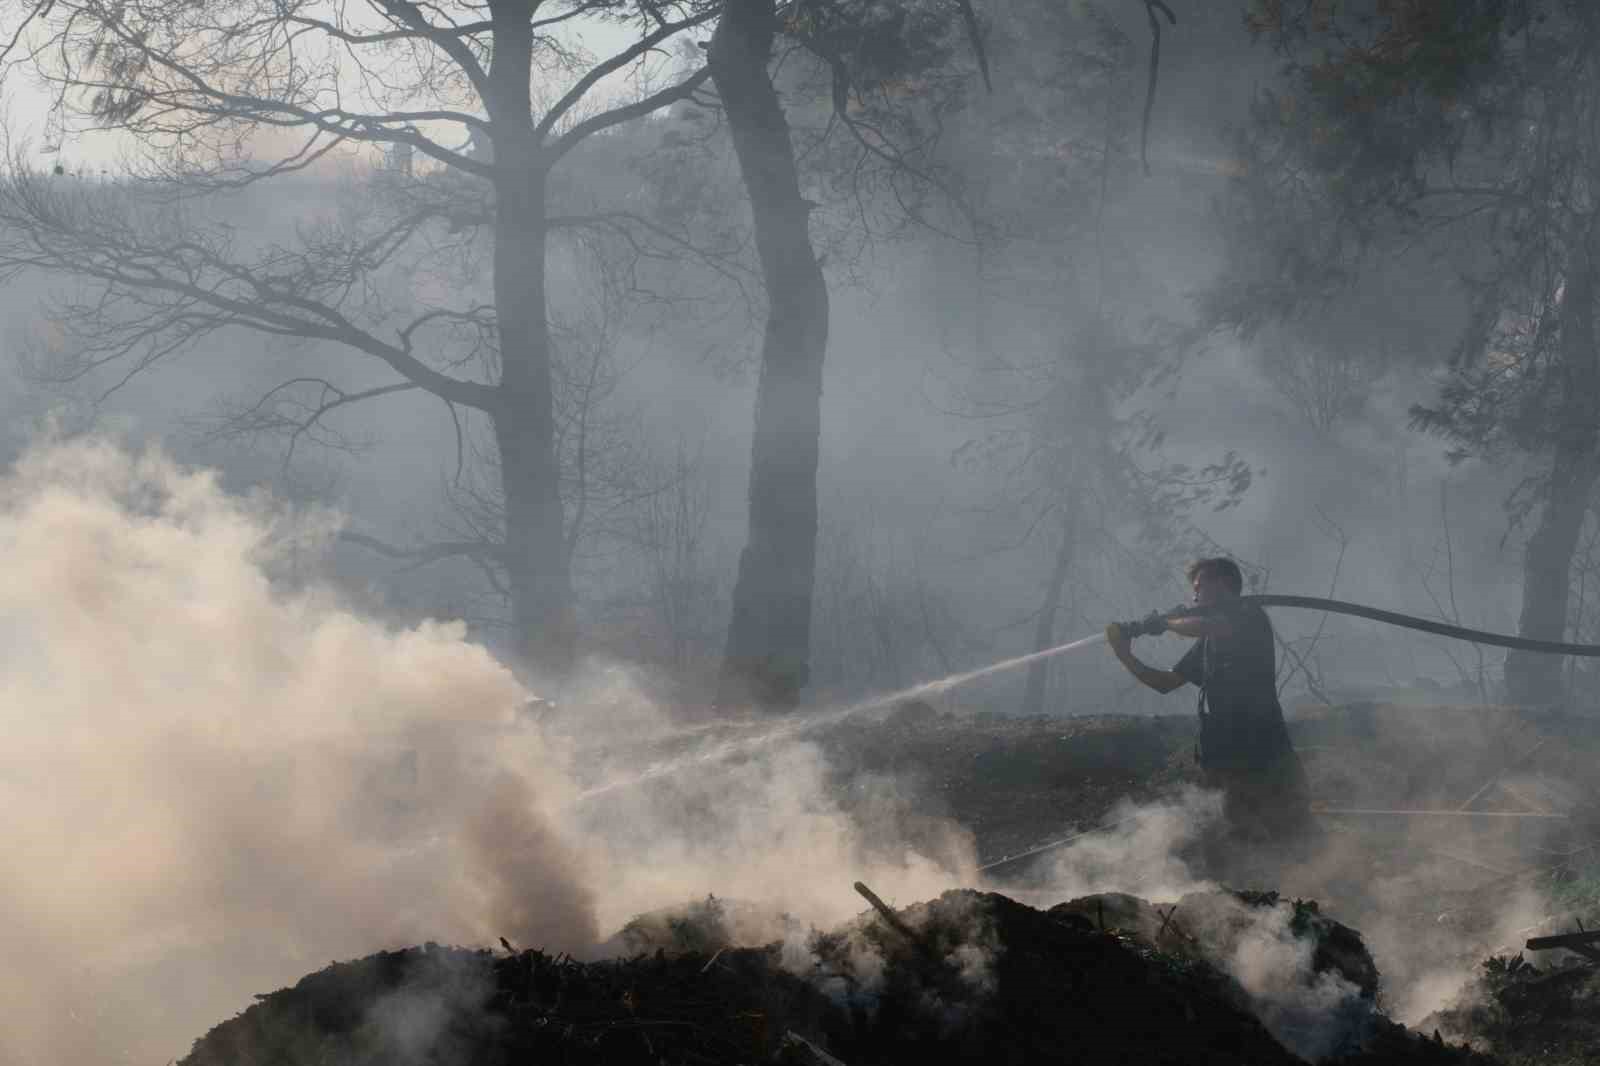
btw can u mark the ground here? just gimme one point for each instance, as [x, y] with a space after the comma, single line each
[1017, 783]
[963, 978]
[1436, 894]
[1098, 980]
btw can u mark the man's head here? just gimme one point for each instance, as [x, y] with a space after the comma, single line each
[1214, 580]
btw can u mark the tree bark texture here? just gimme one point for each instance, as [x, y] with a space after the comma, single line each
[1044, 631]
[1532, 678]
[537, 574]
[767, 656]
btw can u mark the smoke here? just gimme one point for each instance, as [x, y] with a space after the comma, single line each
[1445, 959]
[1157, 851]
[197, 786]
[421, 1023]
[769, 828]
[1144, 850]
[217, 777]
[1314, 1014]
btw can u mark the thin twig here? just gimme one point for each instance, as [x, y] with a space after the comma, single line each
[1151, 7]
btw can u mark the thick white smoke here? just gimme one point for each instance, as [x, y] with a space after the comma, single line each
[1141, 851]
[209, 784]
[216, 778]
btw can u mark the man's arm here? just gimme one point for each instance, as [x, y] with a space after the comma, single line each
[1200, 625]
[1163, 681]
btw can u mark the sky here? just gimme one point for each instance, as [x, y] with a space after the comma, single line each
[29, 103]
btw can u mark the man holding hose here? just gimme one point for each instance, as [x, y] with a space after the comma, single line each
[1244, 744]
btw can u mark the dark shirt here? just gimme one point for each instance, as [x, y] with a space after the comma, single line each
[1241, 721]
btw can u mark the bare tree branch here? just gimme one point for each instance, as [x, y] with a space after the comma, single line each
[176, 282]
[160, 85]
[264, 415]
[627, 113]
[41, 8]
[604, 69]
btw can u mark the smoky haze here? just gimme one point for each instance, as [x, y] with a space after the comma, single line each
[217, 777]
[195, 765]
[238, 744]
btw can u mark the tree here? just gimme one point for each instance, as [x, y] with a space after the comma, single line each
[1467, 126]
[881, 624]
[862, 55]
[1327, 380]
[1079, 455]
[769, 632]
[1065, 368]
[681, 593]
[221, 96]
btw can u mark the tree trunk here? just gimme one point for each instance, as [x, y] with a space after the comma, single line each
[1533, 678]
[767, 656]
[1044, 631]
[537, 574]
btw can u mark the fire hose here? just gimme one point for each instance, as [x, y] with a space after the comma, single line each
[1426, 625]
[1155, 623]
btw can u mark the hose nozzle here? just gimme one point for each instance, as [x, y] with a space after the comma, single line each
[1151, 625]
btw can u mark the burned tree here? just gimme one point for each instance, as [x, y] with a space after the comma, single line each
[769, 634]
[1468, 129]
[879, 77]
[211, 92]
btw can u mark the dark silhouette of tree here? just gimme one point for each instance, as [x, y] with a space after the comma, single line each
[769, 634]
[1466, 127]
[221, 96]
[873, 75]
[890, 81]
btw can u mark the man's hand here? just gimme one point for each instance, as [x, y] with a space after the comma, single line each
[1118, 638]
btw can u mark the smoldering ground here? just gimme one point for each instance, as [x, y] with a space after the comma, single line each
[1407, 887]
[1153, 851]
[216, 777]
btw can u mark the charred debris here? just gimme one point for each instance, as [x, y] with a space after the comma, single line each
[966, 977]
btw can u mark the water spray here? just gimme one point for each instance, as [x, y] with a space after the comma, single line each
[772, 734]
[730, 748]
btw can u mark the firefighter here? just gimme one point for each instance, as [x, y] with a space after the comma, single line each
[1244, 750]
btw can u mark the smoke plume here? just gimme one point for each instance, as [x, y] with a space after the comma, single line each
[217, 777]
[1142, 850]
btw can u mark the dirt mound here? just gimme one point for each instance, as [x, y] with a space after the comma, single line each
[1211, 926]
[1310, 979]
[966, 975]
[453, 1006]
[703, 927]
